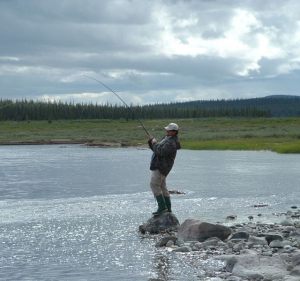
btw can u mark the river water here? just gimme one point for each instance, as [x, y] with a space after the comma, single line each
[69, 212]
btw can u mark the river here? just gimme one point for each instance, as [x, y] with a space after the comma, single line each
[70, 212]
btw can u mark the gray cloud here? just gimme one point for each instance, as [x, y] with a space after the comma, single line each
[149, 51]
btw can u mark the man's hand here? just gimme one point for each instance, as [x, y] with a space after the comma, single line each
[152, 141]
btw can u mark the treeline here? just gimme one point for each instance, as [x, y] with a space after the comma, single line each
[21, 110]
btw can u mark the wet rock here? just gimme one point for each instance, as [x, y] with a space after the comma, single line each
[195, 230]
[271, 237]
[240, 235]
[276, 244]
[296, 271]
[252, 266]
[260, 205]
[230, 263]
[296, 259]
[176, 192]
[214, 241]
[287, 223]
[233, 278]
[158, 224]
[257, 240]
[291, 278]
[183, 249]
[170, 243]
[231, 217]
[164, 240]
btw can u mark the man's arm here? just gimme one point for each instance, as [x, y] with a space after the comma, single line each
[163, 148]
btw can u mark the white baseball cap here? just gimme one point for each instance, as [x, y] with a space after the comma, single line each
[172, 127]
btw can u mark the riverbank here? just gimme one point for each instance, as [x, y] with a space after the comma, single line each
[245, 251]
[275, 134]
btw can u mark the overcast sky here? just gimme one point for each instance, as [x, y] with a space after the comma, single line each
[149, 50]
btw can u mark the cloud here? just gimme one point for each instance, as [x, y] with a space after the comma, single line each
[149, 51]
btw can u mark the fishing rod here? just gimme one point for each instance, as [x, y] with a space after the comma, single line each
[126, 105]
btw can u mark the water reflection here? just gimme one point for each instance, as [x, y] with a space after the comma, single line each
[161, 267]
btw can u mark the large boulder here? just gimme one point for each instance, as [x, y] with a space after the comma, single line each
[162, 223]
[196, 230]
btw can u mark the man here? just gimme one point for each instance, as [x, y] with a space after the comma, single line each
[164, 153]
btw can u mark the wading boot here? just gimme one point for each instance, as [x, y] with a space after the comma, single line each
[168, 203]
[162, 208]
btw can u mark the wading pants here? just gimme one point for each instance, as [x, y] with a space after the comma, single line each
[158, 184]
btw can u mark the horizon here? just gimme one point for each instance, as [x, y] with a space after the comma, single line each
[119, 104]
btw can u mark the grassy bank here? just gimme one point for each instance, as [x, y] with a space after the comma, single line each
[277, 134]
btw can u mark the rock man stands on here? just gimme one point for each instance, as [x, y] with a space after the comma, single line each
[163, 157]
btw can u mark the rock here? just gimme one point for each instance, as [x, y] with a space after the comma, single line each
[197, 246]
[251, 266]
[271, 237]
[296, 271]
[164, 222]
[231, 217]
[296, 258]
[176, 192]
[276, 244]
[170, 243]
[210, 242]
[195, 230]
[290, 278]
[238, 247]
[287, 223]
[240, 235]
[183, 249]
[233, 278]
[163, 241]
[179, 242]
[230, 263]
[257, 240]
[260, 205]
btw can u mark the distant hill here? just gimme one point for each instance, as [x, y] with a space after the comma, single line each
[272, 106]
[282, 97]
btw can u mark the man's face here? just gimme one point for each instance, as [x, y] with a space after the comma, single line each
[171, 133]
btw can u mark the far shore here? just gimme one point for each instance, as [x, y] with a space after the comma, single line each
[280, 135]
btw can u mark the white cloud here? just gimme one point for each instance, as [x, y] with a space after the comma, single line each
[7, 58]
[77, 97]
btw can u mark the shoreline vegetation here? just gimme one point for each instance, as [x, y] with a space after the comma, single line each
[280, 134]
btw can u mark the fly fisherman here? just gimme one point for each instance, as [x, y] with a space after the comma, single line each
[164, 153]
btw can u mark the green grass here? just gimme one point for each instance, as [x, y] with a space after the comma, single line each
[276, 134]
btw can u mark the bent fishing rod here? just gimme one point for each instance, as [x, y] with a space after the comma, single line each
[126, 105]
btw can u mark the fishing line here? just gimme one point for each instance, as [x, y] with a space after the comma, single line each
[126, 105]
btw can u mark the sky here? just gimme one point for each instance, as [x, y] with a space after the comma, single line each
[148, 51]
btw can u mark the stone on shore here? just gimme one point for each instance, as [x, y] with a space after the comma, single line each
[158, 224]
[245, 251]
[196, 230]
